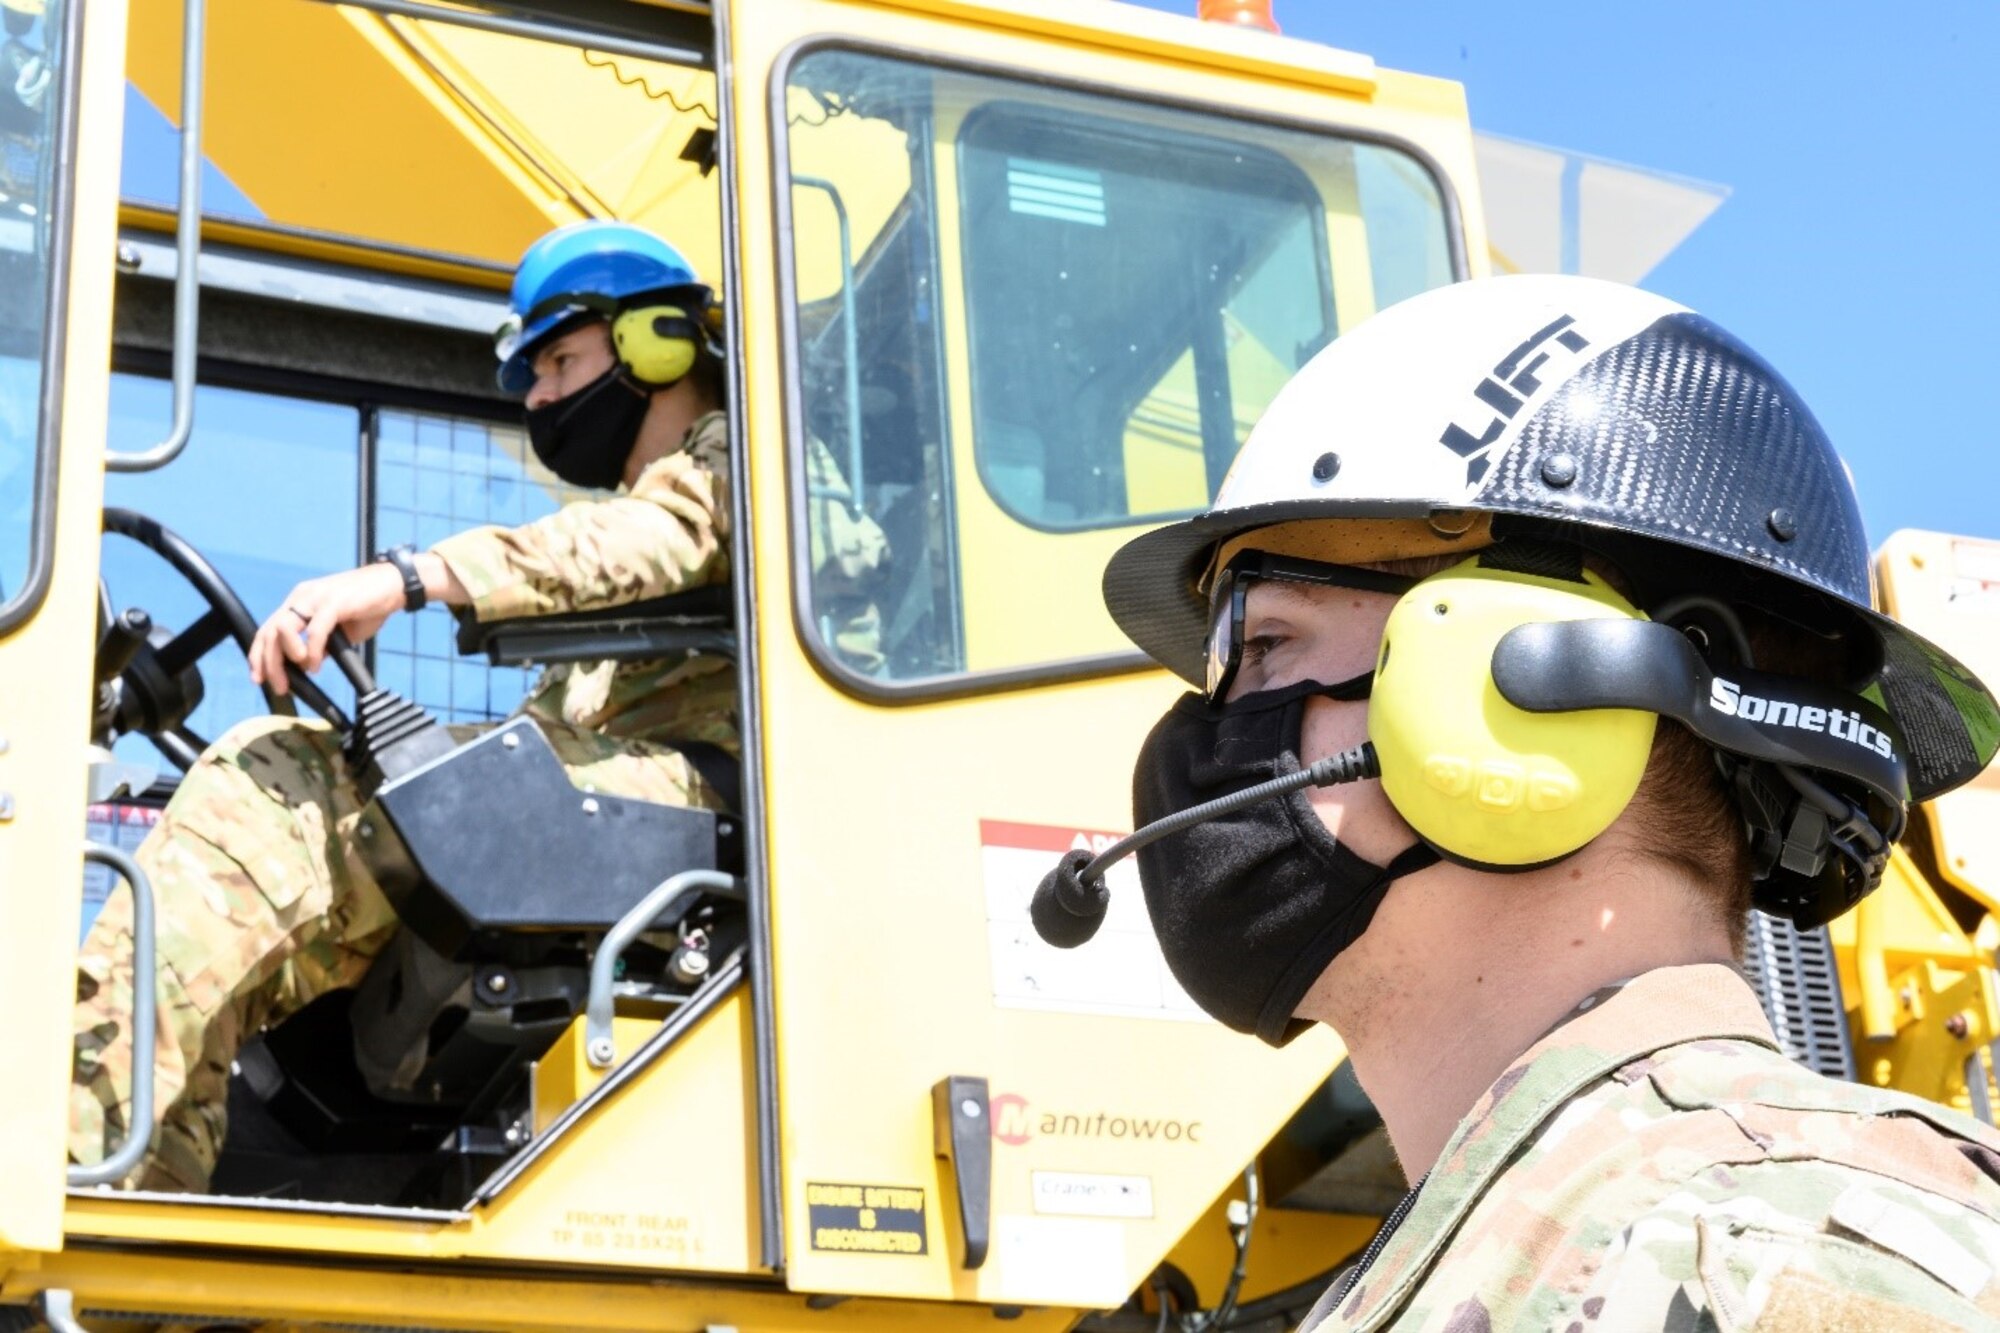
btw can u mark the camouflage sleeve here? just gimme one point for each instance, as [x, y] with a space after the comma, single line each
[1884, 1256]
[668, 533]
[849, 551]
[850, 559]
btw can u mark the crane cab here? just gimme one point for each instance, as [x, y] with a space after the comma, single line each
[1009, 281]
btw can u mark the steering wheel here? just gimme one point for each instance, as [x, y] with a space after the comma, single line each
[147, 677]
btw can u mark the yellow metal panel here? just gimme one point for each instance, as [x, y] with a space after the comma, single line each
[1165, 470]
[321, 116]
[45, 674]
[564, 1074]
[307, 1295]
[1127, 28]
[435, 136]
[608, 130]
[1904, 923]
[1921, 992]
[662, 1176]
[330, 249]
[883, 943]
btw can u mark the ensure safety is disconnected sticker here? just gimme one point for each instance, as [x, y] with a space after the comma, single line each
[866, 1219]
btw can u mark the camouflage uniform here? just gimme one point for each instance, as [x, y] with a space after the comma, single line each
[264, 903]
[1655, 1163]
[849, 556]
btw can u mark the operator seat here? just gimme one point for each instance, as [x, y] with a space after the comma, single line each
[505, 875]
[692, 622]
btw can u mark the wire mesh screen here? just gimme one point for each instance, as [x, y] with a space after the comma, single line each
[436, 475]
[1795, 977]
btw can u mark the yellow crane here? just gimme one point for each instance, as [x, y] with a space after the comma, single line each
[1029, 269]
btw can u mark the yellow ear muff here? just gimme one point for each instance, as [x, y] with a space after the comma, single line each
[1484, 782]
[654, 343]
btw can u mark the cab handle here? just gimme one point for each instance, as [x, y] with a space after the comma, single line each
[145, 1002]
[187, 254]
[673, 897]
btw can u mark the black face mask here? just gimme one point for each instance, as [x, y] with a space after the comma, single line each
[1251, 907]
[586, 438]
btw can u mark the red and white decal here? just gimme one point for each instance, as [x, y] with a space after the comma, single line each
[1120, 971]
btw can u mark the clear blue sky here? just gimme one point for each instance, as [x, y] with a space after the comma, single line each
[1860, 143]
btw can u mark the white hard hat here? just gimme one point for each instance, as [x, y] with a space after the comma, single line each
[1552, 405]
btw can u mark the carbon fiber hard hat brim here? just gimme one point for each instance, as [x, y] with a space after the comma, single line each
[1682, 438]
[1948, 717]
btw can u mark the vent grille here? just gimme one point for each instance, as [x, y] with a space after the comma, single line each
[1796, 980]
[1047, 190]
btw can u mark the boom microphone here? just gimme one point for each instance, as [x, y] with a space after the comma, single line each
[1066, 911]
[1070, 903]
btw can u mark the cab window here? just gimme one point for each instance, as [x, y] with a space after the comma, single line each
[1133, 297]
[336, 481]
[1029, 321]
[301, 457]
[31, 68]
[436, 475]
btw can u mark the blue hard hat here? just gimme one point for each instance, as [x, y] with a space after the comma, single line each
[582, 268]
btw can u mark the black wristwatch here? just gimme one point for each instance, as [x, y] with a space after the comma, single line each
[414, 596]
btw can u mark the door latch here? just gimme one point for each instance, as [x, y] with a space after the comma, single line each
[960, 1124]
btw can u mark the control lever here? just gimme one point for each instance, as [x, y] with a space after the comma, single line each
[123, 638]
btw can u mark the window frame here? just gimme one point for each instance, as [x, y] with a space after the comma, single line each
[996, 680]
[27, 599]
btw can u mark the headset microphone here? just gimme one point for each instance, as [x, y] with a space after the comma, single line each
[1070, 903]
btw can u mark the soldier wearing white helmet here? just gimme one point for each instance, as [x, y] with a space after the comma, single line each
[1579, 577]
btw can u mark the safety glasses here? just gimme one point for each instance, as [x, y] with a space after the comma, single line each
[1232, 585]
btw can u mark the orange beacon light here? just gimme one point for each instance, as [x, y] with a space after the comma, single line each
[1249, 13]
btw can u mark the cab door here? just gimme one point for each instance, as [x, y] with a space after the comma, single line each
[61, 110]
[1035, 268]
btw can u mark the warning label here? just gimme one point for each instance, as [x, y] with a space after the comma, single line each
[1120, 971]
[866, 1219]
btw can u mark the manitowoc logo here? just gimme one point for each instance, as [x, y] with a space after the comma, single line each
[1727, 697]
[1014, 1122]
